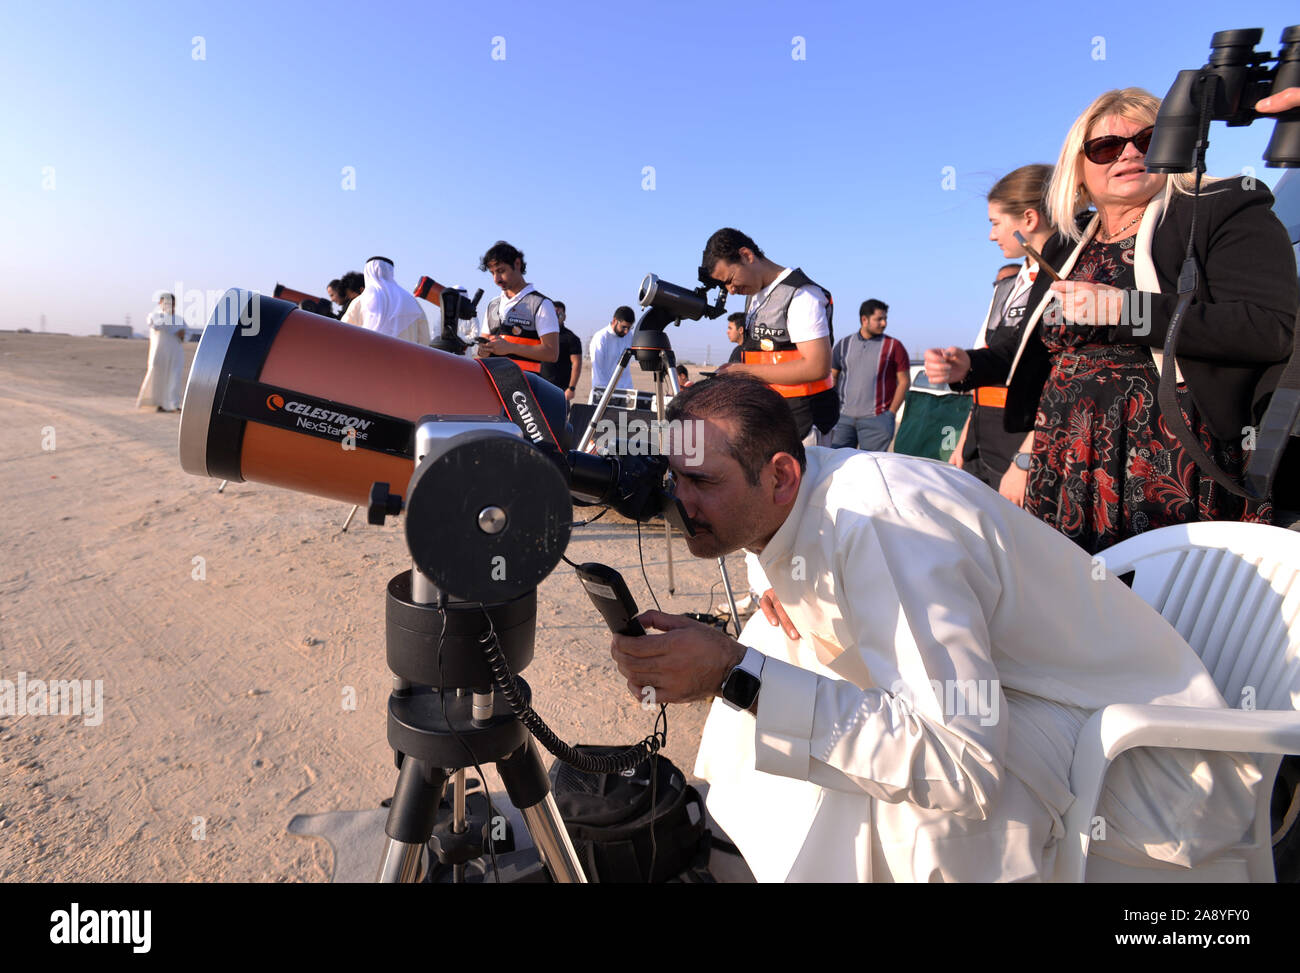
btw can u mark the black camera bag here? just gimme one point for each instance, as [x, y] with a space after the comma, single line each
[609, 818]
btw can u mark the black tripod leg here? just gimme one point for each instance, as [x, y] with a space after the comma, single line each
[410, 819]
[530, 791]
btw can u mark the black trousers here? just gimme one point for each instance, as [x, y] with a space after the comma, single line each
[821, 409]
[989, 447]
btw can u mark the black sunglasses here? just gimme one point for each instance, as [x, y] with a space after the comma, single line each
[1108, 148]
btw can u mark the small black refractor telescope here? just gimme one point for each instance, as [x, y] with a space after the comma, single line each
[1227, 87]
[664, 304]
[667, 303]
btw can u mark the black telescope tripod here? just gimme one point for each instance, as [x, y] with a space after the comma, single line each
[458, 625]
[444, 716]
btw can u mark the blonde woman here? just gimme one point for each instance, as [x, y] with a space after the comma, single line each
[1103, 464]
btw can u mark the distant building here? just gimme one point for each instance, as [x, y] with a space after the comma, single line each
[116, 331]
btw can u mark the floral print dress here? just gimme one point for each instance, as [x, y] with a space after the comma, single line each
[1105, 466]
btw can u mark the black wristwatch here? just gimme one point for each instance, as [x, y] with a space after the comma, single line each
[573, 388]
[1022, 461]
[743, 682]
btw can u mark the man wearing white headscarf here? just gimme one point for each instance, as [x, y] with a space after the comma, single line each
[162, 380]
[387, 308]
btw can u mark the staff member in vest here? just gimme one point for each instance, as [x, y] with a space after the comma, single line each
[1017, 202]
[1083, 380]
[521, 321]
[787, 327]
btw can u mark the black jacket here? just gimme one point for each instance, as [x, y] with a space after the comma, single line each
[1237, 334]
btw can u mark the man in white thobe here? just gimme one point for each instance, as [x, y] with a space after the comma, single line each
[915, 720]
[386, 307]
[162, 385]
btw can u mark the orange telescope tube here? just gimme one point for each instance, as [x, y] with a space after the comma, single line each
[282, 396]
[295, 297]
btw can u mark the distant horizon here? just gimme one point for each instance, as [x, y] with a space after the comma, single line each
[137, 336]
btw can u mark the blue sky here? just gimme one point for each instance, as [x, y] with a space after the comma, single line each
[130, 163]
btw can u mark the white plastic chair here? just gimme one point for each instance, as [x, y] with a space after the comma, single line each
[1233, 592]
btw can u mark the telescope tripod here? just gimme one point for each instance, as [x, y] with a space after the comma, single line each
[654, 352]
[443, 716]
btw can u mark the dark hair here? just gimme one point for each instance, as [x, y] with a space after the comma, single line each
[1010, 266]
[624, 313]
[164, 296]
[503, 253]
[354, 281]
[560, 304]
[764, 423]
[681, 370]
[871, 306]
[317, 306]
[737, 318]
[337, 285]
[725, 245]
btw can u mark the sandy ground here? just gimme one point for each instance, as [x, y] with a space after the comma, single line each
[224, 695]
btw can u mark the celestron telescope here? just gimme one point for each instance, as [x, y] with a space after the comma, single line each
[473, 453]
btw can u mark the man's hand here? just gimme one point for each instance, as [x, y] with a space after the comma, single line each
[944, 365]
[775, 614]
[495, 345]
[1283, 100]
[689, 661]
[568, 395]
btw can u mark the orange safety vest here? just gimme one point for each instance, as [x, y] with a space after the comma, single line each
[527, 364]
[523, 319]
[776, 358]
[991, 396]
[765, 325]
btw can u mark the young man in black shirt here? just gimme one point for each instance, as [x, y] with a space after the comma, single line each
[565, 371]
[736, 335]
